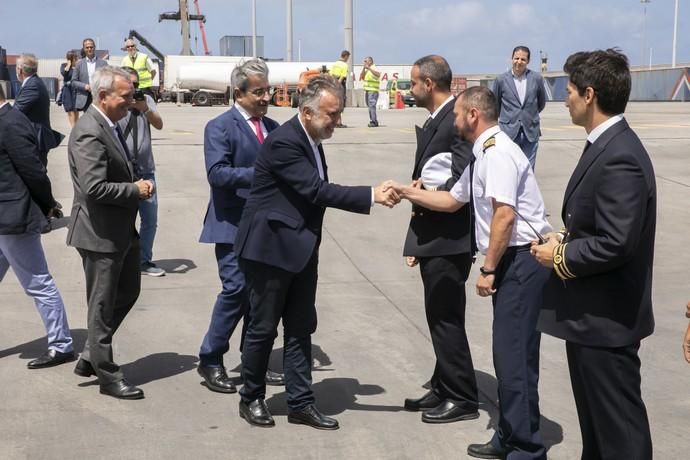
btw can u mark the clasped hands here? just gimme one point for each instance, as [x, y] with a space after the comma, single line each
[544, 252]
[146, 189]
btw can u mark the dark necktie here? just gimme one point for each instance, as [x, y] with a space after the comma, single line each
[427, 123]
[123, 143]
[587, 144]
[257, 125]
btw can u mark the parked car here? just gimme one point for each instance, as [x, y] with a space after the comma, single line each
[404, 87]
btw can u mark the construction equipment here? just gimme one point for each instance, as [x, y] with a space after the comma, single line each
[201, 27]
[184, 17]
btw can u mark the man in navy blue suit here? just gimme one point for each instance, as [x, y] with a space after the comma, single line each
[231, 142]
[33, 100]
[278, 245]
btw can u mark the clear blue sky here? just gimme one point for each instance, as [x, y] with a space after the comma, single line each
[475, 36]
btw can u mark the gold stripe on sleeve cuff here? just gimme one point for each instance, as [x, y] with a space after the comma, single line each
[559, 265]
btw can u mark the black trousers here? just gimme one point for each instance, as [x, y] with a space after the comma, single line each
[113, 282]
[613, 417]
[444, 300]
[276, 294]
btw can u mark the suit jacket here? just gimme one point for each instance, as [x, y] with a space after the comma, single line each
[105, 198]
[230, 148]
[512, 114]
[80, 78]
[609, 210]
[33, 100]
[281, 223]
[24, 183]
[434, 233]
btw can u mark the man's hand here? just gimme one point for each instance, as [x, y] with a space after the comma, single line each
[386, 195]
[485, 285]
[544, 252]
[87, 87]
[141, 106]
[411, 261]
[145, 189]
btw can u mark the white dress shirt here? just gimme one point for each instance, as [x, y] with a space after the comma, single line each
[520, 85]
[504, 174]
[91, 67]
[599, 130]
[251, 124]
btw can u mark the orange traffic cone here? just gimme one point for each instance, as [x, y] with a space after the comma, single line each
[399, 104]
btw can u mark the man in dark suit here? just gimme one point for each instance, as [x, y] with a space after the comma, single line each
[520, 96]
[106, 200]
[231, 142]
[83, 72]
[278, 245]
[440, 243]
[599, 296]
[33, 100]
[27, 200]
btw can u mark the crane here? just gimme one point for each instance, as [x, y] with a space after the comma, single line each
[201, 27]
[184, 17]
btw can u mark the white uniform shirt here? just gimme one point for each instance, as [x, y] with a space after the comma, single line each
[504, 174]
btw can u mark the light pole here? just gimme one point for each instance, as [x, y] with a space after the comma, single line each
[675, 35]
[253, 28]
[644, 30]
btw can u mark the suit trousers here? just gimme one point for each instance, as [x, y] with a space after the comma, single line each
[613, 417]
[276, 294]
[113, 282]
[231, 305]
[517, 301]
[24, 253]
[444, 300]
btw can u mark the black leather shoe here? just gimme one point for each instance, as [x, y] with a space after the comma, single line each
[49, 359]
[216, 379]
[122, 390]
[426, 402]
[311, 416]
[275, 378]
[447, 412]
[84, 368]
[486, 451]
[256, 413]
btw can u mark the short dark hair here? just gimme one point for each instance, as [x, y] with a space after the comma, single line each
[605, 71]
[521, 48]
[482, 98]
[344, 54]
[436, 69]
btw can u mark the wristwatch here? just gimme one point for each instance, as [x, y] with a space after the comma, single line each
[484, 271]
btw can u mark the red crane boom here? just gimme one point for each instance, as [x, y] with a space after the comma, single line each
[201, 27]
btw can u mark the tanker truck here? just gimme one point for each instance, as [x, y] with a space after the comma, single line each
[208, 83]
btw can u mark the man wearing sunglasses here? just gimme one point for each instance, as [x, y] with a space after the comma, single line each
[83, 72]
[142, 64]
[231, 143]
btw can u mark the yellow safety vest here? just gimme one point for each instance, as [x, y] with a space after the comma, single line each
[371, 83]
[139, 64]
[339, 69]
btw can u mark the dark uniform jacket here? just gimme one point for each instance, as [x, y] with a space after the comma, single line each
[600, 292]
[434, 233]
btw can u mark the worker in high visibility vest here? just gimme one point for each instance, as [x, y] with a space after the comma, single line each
[371, 78]
[339, 71]
[142, 64]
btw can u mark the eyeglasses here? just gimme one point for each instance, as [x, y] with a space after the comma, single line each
[260, 92]
[130, 46]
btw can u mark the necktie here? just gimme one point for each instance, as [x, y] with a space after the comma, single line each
[257, 126]
[123, 144]
[587, 144]
[427, 123]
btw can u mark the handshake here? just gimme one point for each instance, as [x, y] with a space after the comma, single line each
[390, 193]
[146, 189]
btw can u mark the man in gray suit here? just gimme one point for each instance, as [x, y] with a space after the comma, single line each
[520, 96]
[106, 200]
[83, 72]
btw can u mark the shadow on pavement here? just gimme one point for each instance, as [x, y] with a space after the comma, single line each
[551, 431]
[158, 366]
[35, 348]
[175, 266]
